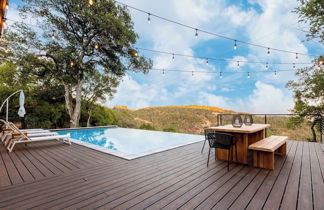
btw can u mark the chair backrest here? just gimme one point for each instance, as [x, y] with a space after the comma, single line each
[219, 140]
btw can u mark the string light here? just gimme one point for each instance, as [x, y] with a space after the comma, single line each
[53, 37]
[235, 45]
[148, 18]
[275, 73]
[220, 75]
[90, 2]
[96, 46]
[296, 56]
[173, 57]
[211, 58]
[268, 52]
[4, 24]
[6, 51]
[7, 5]
[208, 32]
[267, 66]
[38, 57]
[135, 54]
[238, 64]
[248, 75]
[196, 34]
[71, 63]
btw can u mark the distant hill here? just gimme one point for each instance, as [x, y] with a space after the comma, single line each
[184, 119]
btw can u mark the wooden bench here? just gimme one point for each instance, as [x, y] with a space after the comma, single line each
[264, 151]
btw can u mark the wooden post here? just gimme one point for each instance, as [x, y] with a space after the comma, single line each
[265, 122]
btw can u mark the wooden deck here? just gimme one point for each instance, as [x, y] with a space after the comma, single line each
[57, 176]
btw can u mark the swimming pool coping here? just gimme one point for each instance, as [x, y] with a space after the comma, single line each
[122, 154]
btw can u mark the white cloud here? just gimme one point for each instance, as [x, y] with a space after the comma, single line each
[273, 26]
[264, 99]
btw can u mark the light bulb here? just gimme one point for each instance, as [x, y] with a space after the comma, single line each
[196, 34]
[6, 51]
[4, 24]
[7, 6]
[296, 56]
[248, 75]
[238, 64]
[163, 73]
[235, 45]
[71, 63]
[96, 46]
[135, 54]
[149, 18]
[173, 57]
[267, 66]
[192, 73]
[53, 37]
[294, 66]
[207, 60]
[268, 52]
[220, 75]
[275, 73]
[90, 2]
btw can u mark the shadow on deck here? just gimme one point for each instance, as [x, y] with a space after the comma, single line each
[54, 175]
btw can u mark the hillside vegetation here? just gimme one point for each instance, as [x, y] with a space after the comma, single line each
[184, 119]
[192, 119]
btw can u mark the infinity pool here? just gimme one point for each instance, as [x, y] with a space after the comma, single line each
[129, 143]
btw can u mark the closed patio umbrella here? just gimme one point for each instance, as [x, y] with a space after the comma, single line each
[22, 110]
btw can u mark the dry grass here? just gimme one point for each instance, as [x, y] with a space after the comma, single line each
[192, 119]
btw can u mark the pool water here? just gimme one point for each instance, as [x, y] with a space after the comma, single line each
[131, 141]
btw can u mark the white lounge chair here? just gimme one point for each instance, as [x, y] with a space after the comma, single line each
[14, 142]
[35, 135]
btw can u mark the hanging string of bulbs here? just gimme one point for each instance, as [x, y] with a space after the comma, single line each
[220, 73]
[197, 30]
[208, 59]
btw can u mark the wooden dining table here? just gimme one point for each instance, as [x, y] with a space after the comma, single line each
[244, 136]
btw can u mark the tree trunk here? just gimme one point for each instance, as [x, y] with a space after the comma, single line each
[73, 109]
[89, 117]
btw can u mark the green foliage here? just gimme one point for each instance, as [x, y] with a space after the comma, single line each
[84, 49]
[294, 122]
[309, 90]
[147, 126]
[312, 13]
[102, 116]
[170, 129]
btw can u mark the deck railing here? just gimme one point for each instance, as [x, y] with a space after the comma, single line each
[310, 127]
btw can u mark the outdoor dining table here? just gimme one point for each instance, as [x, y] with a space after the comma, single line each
[244, 136]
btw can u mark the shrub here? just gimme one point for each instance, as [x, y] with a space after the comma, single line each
[170, 129]
[147, 126]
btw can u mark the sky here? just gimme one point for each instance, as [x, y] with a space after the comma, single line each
[266, 22]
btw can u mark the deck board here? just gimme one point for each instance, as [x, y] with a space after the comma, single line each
[52, 175]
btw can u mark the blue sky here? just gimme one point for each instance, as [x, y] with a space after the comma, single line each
[265, 22]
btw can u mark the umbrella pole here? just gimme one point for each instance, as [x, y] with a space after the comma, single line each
[7, 103]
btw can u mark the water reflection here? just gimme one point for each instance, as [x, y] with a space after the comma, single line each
[130, 141]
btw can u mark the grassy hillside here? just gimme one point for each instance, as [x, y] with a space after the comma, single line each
[184, 119]
[192, 119]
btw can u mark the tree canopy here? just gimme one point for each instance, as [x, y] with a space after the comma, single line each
[312, 13]
[84, 49]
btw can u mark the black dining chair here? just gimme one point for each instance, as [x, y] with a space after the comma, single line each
[221, 141]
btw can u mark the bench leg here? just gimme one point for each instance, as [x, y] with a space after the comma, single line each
[282, 150]
[263, 159]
